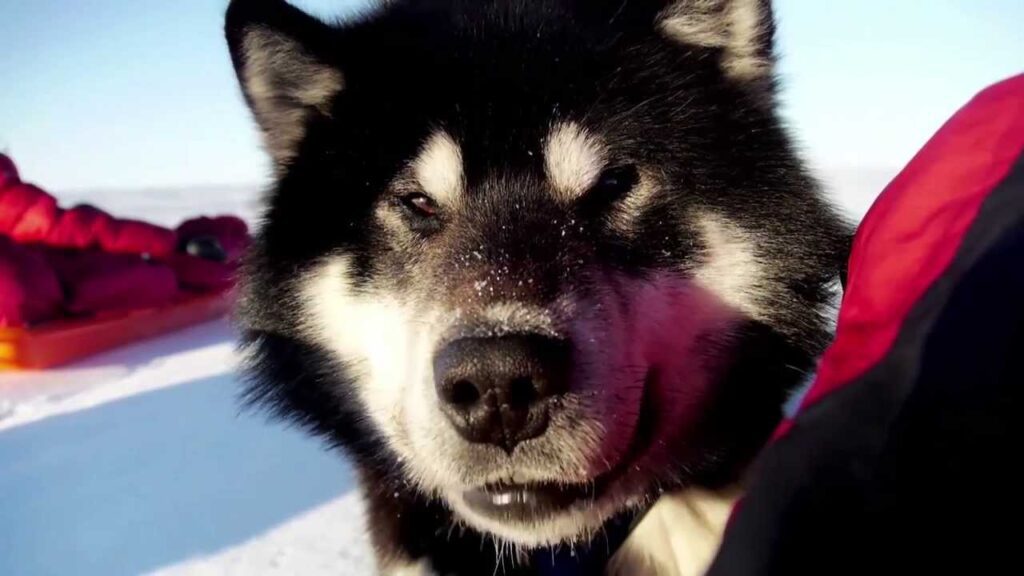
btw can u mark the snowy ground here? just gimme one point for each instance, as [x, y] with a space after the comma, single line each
[140, 461]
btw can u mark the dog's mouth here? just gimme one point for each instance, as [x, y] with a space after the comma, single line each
[523, 503]
[539, 501]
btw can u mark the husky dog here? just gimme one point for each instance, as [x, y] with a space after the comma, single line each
[536, 265]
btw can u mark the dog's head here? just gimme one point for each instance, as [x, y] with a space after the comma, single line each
[557, 253]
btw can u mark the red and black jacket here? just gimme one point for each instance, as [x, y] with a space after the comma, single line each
[903, 456]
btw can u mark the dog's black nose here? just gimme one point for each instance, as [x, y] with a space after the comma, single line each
[498, 390]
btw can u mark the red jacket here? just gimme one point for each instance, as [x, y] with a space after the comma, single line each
[902, 458]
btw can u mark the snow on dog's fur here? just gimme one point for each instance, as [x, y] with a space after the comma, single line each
[595, 198]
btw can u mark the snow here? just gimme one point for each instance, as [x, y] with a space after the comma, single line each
[296, 547]
[148, 464]
[196, 353]
[141, 460]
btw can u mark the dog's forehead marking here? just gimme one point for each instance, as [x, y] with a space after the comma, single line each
[574, 158]
[438, 168]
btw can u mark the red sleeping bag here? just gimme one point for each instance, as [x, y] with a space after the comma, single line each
[57, 262]
[29, 289]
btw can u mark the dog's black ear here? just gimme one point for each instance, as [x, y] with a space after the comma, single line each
[743, 31]
[283, 58]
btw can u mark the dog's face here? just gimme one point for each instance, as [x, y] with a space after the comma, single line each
[558, 253]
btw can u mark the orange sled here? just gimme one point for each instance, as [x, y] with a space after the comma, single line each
[60, 342]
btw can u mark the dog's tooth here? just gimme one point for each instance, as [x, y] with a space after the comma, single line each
[502, 499]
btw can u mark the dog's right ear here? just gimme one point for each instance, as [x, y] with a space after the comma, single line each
[743, 31]
[283, 59]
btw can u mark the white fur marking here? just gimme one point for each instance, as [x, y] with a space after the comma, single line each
[679, 535]
[372, 334]
[633, 204]
[574, 160]
[438, 168]
[736, 26]
[729, 267]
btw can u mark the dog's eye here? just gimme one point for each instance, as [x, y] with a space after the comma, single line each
[613, 184]
[419, 204]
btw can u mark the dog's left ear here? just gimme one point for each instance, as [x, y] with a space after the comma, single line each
[742, 31]
[283, 60]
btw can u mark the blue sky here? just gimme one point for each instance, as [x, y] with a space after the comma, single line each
[140, 93]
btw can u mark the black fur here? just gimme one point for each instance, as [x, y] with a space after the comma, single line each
[496, 74]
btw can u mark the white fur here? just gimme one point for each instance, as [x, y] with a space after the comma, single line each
[273, 61]
[438, 168]
[679, 536]
[729, 267]
[634, 204]
[574, 159]
[736, 26]
[373, 334]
